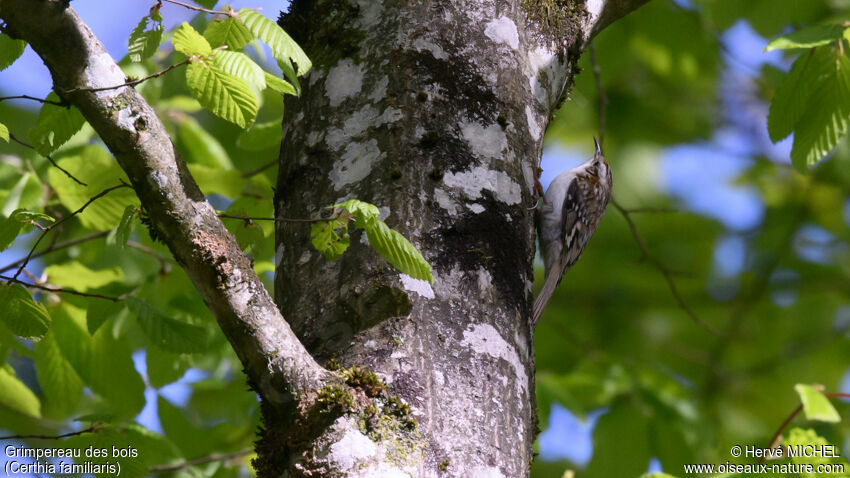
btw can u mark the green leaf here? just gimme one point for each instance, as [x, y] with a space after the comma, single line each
[99, 311]
[261, 136]
[121, 234]
[827, 114]
[4, 132]
[807, 37]
[279, 85]
[60, 384]
[218, 181]
[165, 367]
[188, 41]
[10, 50]
[624, 422]
[238, 64]
[815, 405]
[363, 212]
[95, 167]
[76, 275]
[16, 395]
[792, 96]
[208, 4]
[112, 375]
[282, 46]
[9, 230]
[55, 125]
[226, 96]
[199, 146]
[228, 31]
[26, 193]
[145, 38]
[21, 314]
[28, 217]
[397, 250]
[290, 74]
[169, 334]
[330, 237]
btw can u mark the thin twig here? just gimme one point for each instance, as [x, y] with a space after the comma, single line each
[92, 428]
[777, 436]
[259, 170]
[132, 82]
[28, 97]
[52, 161]
[667, 273]
[193, 7]
[57, 246]
[276, 219]
[60, 290]
[201, 461]
[57, 223]
[150, 251]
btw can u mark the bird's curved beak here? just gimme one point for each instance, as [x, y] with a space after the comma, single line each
[598, 148]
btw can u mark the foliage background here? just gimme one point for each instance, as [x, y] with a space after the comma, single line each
[627, 381]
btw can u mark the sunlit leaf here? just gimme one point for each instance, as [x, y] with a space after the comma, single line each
[55, 125]
[228, 183]
[121, 234]
[188, 41]
[330, 237]
[198, 146]
[228, 31]
[21, 314]
[397, 250]
[4, 132]
[226, 96]
[815, 405]
[238, 64]
[79, 277]
[807, 37]
[16, 395]
[145, 38]
[279, 85]
[282, 46]
[827, 113]
[95, 167]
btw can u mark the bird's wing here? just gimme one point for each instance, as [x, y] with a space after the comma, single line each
[574, 227]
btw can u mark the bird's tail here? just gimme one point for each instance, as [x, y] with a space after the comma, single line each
[543, 297]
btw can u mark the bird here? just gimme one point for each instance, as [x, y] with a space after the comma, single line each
[572, 208]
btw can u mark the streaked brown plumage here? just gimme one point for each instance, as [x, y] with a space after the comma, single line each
[572, 209]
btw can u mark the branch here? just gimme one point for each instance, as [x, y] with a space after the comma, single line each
[778, 435]
[56, 247]
[57, 223]
[667, 273]
[201, 461]
[49, 158]
[93, 428]
[277, 364]
[196, 8]
[59, 290]
[33, 98]
[127, 83]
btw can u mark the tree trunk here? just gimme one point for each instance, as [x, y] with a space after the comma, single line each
[435, 112]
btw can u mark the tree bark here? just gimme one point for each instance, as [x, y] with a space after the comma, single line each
[435, 112]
